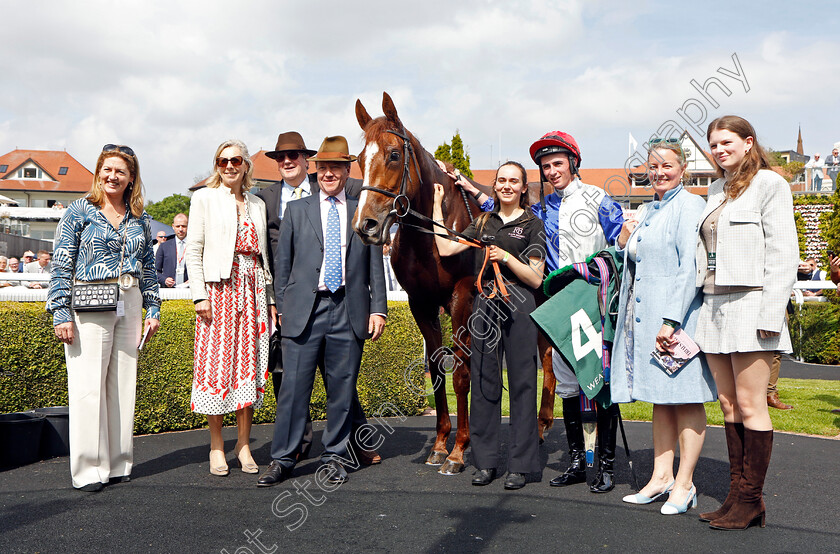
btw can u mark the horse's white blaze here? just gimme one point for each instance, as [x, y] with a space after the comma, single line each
[371, 150]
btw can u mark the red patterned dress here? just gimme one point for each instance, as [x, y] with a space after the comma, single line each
[231, 352]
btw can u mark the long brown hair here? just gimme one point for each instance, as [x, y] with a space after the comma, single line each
[755, 158]
[133, 195]
[481, 220]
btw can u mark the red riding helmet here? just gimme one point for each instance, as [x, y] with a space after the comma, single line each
[554, 142]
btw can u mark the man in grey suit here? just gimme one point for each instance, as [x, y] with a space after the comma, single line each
[330, 299]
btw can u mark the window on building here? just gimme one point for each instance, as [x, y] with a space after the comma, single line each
[29, 173]
[63, 170]
[4, 168]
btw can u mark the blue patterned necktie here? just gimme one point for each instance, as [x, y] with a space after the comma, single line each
[332, 256]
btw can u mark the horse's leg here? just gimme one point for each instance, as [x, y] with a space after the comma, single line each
[461, 310]
[428, 321]
[545, 418]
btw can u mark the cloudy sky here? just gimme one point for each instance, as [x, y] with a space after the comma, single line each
[174, 78]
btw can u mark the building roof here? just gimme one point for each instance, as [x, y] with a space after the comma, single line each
[76, 178]
[266, 172]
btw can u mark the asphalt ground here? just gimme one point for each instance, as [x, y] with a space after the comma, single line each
[793, 369]
[173, 504]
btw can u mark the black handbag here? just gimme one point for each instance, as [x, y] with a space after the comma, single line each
[275, 352]
[98, 297]
[95, 297]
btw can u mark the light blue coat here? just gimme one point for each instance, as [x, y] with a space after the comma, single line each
[664, 287]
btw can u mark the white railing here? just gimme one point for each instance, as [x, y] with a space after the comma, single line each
[799, 286]
[22, 293]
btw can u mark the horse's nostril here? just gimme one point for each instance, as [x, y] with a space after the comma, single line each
[369, 226]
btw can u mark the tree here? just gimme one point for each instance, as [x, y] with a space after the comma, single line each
[776, 158]
[455, 154]
[166, 210]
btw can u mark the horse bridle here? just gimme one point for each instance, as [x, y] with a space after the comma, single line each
[401, 206]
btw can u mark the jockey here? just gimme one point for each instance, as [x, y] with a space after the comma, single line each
[579, 221]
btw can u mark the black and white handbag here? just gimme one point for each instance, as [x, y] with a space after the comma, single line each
[98, 297]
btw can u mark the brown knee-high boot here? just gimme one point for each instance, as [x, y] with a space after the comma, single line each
[749, 508]
[735, 446]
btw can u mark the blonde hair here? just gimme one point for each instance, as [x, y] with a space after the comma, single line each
[676, 149]
[215, 180]
[133, 195]
[755, 159]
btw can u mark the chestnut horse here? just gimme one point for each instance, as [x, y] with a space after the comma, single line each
[398, 177]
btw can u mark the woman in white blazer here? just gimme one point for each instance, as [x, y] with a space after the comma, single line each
[234, 301]
[747, 255]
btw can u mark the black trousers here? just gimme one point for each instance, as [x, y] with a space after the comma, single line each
[327, 335]
[498, 328]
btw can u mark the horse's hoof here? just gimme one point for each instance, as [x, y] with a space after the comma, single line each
[451, 468]
[436, 458]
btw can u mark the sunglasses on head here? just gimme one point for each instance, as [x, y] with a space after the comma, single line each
[661, 140]
[124, 149]
[236, 161]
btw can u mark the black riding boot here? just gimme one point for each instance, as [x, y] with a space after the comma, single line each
[576, 473]
[607, 429]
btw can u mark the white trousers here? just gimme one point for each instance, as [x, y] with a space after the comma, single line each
[567, 383]
[101, 385]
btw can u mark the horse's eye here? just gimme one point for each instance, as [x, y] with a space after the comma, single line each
[395, 156]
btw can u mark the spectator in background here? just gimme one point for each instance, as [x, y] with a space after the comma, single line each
[42, 265]
[772, 389]
[161, 238]
[816, 166]
[169, 259]
[808, 271]
[27, 258]
[4, 267]
[833, 270]
[832, 166]
[390, 279]
[13, 267]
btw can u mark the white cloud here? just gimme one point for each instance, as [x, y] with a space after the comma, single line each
[174, 79]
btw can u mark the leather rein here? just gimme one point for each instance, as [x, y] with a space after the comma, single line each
[401, 207]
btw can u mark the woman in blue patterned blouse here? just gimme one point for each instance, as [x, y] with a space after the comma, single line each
[104, 238]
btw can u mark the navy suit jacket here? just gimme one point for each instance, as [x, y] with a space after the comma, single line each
[271, 196]
[166, 261]
[298, 260]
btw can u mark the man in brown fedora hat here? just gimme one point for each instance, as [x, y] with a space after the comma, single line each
[291, 153]
[332, 297]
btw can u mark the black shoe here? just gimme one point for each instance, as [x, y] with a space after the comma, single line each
[483, 477]
[275, 473]
[604, 480]
[514, 481]
[576, 473]
[121, 479]
[92, 487]
[337, 473]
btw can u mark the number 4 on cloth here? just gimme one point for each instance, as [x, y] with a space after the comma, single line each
[581, 325]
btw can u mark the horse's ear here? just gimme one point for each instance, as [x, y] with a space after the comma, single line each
[361, 115]
[390, 110]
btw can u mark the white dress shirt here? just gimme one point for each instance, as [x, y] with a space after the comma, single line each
[287, 193]
[180, 249]
[341, 206]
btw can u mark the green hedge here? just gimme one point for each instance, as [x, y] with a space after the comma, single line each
[33, 373]
[818, 340]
